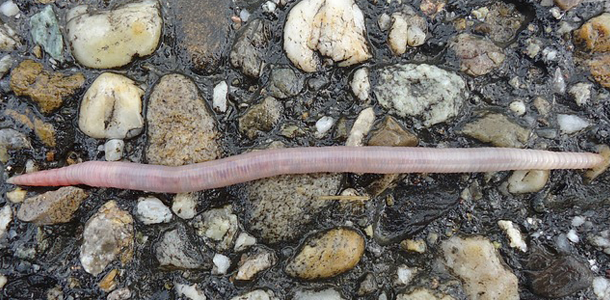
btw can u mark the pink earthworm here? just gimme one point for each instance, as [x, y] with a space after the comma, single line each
[266, 163]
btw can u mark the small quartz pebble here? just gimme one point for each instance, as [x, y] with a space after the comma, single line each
[336, 29]
[327, 254]
[527, 181]
[360, 84]
[418, 246]
[581, 92]
[518, 107]
[601, 288]
[8, 38]
[323, 125]
[221, 264]
[514, 235]
[6, 63]
[408, 30]
[3, 281]
[129, 31]
[113, 149]
[327, 294]
[192, 292]
[152, 211]
[571, 124]
[256, 295]
[218, 225]
[219, 101]
[244, 241]
[112, 108]
[177, 249]
[361, 127]
[6, 216]
[577, 221]
[573, 236]
[184, 205]
[404, 275]
[17, 195]
[253, 263]
[9, 8]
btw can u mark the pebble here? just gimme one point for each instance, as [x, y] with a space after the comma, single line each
[6, 63]
[478, 264]
[54, 207]
[426, 92]
[243, 242]
[581, 92]
[423, 294]
[323, 125]
[559, 83]
[498, 130]
[112, 108]
[261, 117]
[44, 131]
[392, 133]
[404, 275]
[502, 22]
[384, 22]
[184, 205]
[219, 225]
[256, 295]
[203, 31]
[600, 69]
[113, 149]
[108, 234]
[514, 235]
[577, 221]
[11, 139]
[407, 30]
[8, 39]
[181, 129]
[571, 123]
[567, 4]
[248, 52]
[327, 254]
[360, 129]
[269, 7]
[327, 294]
[219, 99]
[368, 285]
[178, 250]
[192, 292]
[131, 30]
[120, 294]
[594, 35]
[478, 56]
[253, 263]
[45, 32]
[336, 29]
[47, 89]
[151, 210]
[518, 107]
[417, 246]
[527, 181]
[573, 236]
[9, 8]
[17, 195]
[601, 288]
[601, 240]
[562, 277]
[6, 216]
[361, 86]
[221, 264]
[3, 281]
[285, 83]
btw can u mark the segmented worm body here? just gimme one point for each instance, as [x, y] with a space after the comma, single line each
[267, 163]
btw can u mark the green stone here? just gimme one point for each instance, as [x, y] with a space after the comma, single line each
[45, 32]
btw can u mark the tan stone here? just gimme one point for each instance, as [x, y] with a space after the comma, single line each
[600, 69]
[44, 131]
[594, 35]
[53, 207]
[327, 254]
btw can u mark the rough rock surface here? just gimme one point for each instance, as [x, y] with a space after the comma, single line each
[498, 130]
[600, 69]
[327, 254]
[178, 250]
[477, 55]
[219, 225]
[43, 130]
[594, 35]
[249, 49]
[53, 207]
[261, 117]
[47, 89]
[107, 235]
[181, 128]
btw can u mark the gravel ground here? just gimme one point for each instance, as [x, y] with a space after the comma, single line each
[193, 81]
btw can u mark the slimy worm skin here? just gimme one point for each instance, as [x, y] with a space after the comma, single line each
[339, 159]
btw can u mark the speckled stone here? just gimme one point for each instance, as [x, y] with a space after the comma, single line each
[600, 69]
[594, 35]
[248, 52]
[498, 130]
[478, 56]
[261, 117]
[53, 207]
[327, 254]
[178, 250]
[181, 128]
[47, 89]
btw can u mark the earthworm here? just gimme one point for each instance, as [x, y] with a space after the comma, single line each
[266, 163]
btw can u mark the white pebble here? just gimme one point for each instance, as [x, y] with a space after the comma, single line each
[601, 288]
[269, 7]
[577, 221]
[360, 84]
[6, 62]
[384, 22]
[581, 92]
[113, 149]
[9, 9]
[244, 15]
[152, 211]
[514, 235]
[550, 54]
[570, 123]
[191, 292]
[572, 236]
[221, 264]
[361, 127]
[31, 166]
[220, 97]
[244, 241]
[327, 294]
[559, 83]
[17, 195]
[256, 295]
[556, 12]
[6, 216]
[324, 124]
[184, 205]
[527, 181]
[518, 107]
[404, 275]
